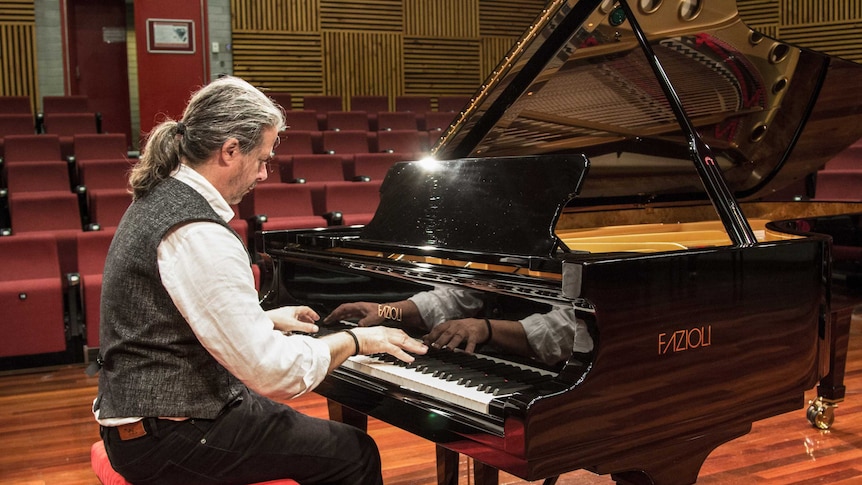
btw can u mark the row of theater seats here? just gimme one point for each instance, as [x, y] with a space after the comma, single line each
[64, 116]
[53, 252]
[310, 120]
[61, 209]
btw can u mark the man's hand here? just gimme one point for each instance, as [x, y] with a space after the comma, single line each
[393, 341]
[294, 319]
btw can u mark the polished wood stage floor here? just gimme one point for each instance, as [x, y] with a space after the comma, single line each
[46, 431]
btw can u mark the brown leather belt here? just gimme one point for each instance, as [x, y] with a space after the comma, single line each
[131, 431]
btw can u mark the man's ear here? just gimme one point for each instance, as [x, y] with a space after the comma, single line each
[230, 151]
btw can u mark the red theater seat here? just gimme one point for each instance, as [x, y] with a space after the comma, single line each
[15, 124]
[108, 206]
[107, 476]
[285, 206]
[297, 142]
[438, 120]
[100, 146]
[301, 120]
[403, 141]
[452, 103]
[369, 104]
[16, 105]
[67, 125]
[396, 120]
[318, 168]
[283, 99]
[345, 142]
[347, 120]
[30, 148]
[92, 250]
[376, 165]
[104, 174]
[37, 177]
[322, 103]
[356, 201]
[65, 104]
[31, 296]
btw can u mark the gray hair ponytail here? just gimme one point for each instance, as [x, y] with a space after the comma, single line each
[226, 108]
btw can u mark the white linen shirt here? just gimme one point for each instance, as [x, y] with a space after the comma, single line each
[205, 270]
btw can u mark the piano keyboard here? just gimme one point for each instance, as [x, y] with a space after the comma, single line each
[471, 381]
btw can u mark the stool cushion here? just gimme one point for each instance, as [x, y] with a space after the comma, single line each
[102, 467]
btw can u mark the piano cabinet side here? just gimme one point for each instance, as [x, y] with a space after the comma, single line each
[696, 344]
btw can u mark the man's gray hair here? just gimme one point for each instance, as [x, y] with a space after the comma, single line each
[228, 107]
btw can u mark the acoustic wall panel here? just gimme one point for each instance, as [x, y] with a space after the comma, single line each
[280, 61]
[18, 50]
[458, 19]
[368, 15]
[369, 63]
[275, 15]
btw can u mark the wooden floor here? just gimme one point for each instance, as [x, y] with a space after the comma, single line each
[46, 430]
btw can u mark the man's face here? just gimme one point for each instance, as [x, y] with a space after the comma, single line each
[253, 168]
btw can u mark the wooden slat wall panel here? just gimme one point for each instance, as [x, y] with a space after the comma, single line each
[807, 12]
[275, 15]
[18, 74]
[493, 50]
[434, 66]
[829, 26]
[348, 47]
[17, 11]
[369, 15]
[507, 17]
[363, 62]
[760, 14]
[836, 39]
[441, 18]
[378, 47]
[280, 61]
[17, 60]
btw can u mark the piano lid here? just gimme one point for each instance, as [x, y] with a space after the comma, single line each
[578, 82]
[501, 205]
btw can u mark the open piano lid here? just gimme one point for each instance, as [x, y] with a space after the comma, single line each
[667, 101]
[578, 82]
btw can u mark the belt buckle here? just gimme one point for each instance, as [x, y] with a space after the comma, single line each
[132, 430]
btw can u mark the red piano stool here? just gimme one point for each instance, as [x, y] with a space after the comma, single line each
[108, 476]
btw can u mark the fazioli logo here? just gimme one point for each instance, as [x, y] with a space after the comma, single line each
[682, 340]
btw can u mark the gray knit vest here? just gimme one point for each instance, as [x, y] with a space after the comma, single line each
[152, 363]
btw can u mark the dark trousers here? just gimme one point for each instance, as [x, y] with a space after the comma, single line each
[253, 440]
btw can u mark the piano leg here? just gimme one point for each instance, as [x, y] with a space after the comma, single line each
[448, 462]
[447, 466]
[831, 389]
[342, 414]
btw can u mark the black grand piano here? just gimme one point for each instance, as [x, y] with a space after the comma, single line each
[626, 165]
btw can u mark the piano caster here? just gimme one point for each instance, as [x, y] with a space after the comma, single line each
[821, 412]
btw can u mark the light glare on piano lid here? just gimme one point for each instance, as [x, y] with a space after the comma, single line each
[429, 164]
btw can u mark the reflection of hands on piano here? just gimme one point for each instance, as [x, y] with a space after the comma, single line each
[506, 335]
[289, 319]
[472, 332]
[367, 314]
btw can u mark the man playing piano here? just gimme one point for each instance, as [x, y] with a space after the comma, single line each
[450, 317]
[192, 366]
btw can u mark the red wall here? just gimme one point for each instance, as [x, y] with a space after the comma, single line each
[165, 80]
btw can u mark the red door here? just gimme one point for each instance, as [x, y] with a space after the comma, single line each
[98, 61]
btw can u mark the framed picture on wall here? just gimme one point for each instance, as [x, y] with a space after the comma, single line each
[171, 36]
